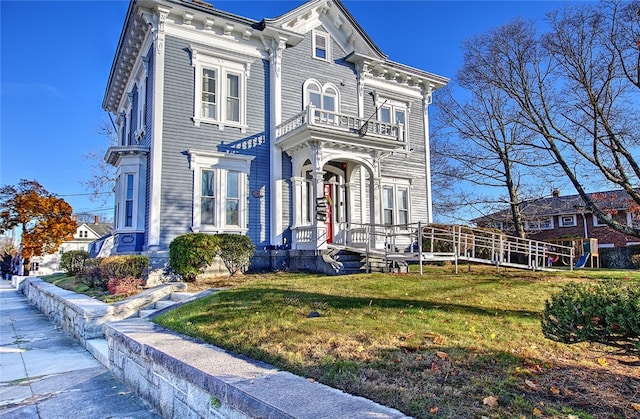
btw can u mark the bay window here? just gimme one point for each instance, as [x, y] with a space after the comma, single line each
[220, 191]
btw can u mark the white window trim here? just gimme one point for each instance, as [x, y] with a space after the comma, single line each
[630, 216]
[142, 100]
[322, 88]
[135, 165]
[204, 59]
[395, 185]
[327, 43]
[537, 224]
[596, 222]
[220, 164]
[395, 105]
[122, 198]
[574, 220]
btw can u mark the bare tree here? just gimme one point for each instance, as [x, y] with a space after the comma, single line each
[576, 88]
[492, 151]
[102, 180]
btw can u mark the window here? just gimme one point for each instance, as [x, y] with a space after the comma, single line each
[598, 223]
[209, 109]
[128, 203]
[220, 192]
[545, 223]
[233, 97]
[396, 203]
[568, 221]
[393, 112]
[321, 46]
[233, 199]
[207, 198]
[322, 97]
[633, 219]
[220, 86]
[403, 206]
[387, 206]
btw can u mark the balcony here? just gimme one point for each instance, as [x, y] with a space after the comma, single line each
[339, 131]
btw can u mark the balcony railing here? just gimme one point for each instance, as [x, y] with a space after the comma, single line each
[362, 127]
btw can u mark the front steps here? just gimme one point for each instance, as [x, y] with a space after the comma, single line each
[99, 348]
[353, 261]
[159, 305]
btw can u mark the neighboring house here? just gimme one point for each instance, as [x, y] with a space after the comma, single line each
[232, 125]
[558, 218]
[85, 234]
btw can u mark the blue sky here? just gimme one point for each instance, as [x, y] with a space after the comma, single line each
[55, 58]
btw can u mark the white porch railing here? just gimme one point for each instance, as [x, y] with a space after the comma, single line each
[438, 242]
[312, 116]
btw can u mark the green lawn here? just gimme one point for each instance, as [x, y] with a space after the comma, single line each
[438, 345]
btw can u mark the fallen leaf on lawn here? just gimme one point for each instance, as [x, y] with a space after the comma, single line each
[636, 406]
[554, 391]
[602, 361]
[434, 410]
[419, 358]
[531, 384]
[537, 412]
[490, 401]
[311, 380]
[442, 355]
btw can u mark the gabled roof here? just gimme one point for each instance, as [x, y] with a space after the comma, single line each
[563, 205]
[99, 229]
[336, 18]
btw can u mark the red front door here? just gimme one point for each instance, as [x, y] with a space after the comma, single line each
[328, 189]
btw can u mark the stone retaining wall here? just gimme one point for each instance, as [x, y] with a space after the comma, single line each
[185, 378]
[83, 317]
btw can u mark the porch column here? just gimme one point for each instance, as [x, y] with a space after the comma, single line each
[426, 101]
[297, 198]
[320, 226]
[349, 187]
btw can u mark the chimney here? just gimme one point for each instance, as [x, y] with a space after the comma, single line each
[555, 192]
[95, 219]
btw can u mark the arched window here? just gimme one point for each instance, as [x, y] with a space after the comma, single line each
[323, 97]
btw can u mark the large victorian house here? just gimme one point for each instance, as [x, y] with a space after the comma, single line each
[296, 131]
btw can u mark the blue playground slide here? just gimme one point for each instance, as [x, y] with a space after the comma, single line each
[582, 260]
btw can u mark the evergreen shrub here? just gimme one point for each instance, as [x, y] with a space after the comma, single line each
[608, 313]
[191, 253]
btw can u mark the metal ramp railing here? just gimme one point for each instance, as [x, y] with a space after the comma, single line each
[425, 243]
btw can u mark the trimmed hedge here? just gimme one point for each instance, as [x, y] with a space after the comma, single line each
[191, 253]
[607, 313]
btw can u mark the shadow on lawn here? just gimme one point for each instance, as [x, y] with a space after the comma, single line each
[279, 296]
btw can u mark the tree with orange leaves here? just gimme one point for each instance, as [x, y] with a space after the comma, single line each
[44, 218]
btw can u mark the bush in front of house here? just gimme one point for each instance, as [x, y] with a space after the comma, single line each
[74, 261]
[99, 271]
[236, 252]
[124, 266]
[124, 287]
[191, 253]
[607, 313]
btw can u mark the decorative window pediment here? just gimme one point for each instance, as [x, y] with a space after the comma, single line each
[220, 88]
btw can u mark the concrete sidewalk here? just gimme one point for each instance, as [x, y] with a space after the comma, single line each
[45, 374]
